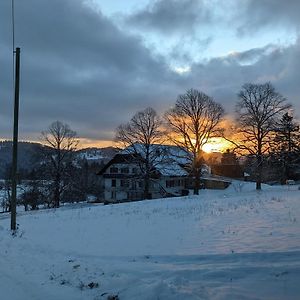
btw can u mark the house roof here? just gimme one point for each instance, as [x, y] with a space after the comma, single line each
[171, 168]
[160, 151]
[167, 160]
[120, 158]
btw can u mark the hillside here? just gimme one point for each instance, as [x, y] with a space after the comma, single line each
[30, 155]
[232, 244]
[97, 154]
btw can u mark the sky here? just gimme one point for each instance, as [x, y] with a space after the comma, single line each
[94, 63]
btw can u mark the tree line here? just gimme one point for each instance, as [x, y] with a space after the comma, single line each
[263, 130]
[59, 174]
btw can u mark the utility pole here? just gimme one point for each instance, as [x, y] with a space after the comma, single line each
[13, 225]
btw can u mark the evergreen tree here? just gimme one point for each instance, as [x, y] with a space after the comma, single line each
[287, 145]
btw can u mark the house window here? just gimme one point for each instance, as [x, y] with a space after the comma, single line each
[113, 195]
[134, 170]
[114, 170]
[177, 182]
[170, 183]
[153, 185]
[124, 183]
[133, 185]
[174, 183]
[125, 170]
[113, 182]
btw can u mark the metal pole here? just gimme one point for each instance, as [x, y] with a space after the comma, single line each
[15, 145]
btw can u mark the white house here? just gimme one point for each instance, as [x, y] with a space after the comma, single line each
[123, 178]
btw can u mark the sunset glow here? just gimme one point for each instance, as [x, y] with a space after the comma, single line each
[217, 144]
[85, 143]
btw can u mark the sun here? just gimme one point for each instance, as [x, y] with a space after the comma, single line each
[217, 144]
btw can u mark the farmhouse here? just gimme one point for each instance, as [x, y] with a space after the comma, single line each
[123, 176]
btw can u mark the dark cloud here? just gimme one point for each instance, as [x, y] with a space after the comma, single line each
[251, 56]
[78, 67]
[171, 16]
[223, 77]
[261, 14]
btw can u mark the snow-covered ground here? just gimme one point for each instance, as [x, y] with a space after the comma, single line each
[232, 244]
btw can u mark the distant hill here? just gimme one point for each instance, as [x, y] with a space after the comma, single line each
[94, 154]
[30, 155]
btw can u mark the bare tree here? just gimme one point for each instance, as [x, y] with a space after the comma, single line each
[140, 136]
[62, 142]
[258, 110]
[6, 196]
[6, 190]
[192, 122]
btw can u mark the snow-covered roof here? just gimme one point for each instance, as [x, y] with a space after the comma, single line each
[168, 160]
[171, 169]
[160, 152]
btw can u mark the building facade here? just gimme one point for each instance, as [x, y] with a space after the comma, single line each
[124, 180]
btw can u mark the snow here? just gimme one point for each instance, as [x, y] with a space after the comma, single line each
[170, 168]
[91, 156]
[227, 244]
[166, 159]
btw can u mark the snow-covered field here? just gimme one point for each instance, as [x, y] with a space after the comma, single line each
[232, 244]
